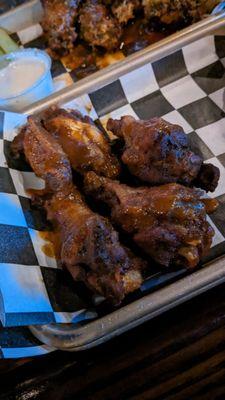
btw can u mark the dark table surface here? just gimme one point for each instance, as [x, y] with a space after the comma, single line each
[179, 355]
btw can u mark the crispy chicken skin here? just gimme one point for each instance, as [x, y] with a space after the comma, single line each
[85, 145]
[89, 247]
[98, 27]
[59, 24]
[157, 152]
[124, 10]
[172, 11]
[167, 222]
[207, 178]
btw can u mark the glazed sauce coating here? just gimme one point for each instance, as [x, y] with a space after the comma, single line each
[87, 148]
[167, 222]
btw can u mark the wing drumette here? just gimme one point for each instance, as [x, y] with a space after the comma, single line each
[168, 222]
[124, 10]
[172, 11]
[59, 24]
[45, 156]
[86, 147]
[98, 27]
[157, 152]
[87, 244]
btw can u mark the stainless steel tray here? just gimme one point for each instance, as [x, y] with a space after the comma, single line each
[31, 13]
[74, 338]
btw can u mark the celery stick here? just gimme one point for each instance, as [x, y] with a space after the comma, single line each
[6, 43]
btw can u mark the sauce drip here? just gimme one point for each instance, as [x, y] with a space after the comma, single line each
[108, 59]
[48, 250]
[136, 36]
[211, 205]
[52, 246]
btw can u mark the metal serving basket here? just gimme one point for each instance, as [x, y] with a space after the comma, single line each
[23, 23]
[165, 290]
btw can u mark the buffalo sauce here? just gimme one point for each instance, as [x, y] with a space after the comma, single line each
[137, 36]
[107, 59]
[52, 247]
[78, 57]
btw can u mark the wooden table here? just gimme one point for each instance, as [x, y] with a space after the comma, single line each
[180, 355]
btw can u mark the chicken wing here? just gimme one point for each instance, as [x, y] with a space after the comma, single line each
[124, 10]
[91, 251]
[98, 27]
[46, 157]
[87, 147]
[59, 24]
[157, 152]
[172, 11]
[87, 244]
[168, 222]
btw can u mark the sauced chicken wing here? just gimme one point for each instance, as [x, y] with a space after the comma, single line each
[87, 147]
[157, 152]
[98, 27]
[87, 244]
[46, 157]
[59, 24]
[172, 11]
[90, 249]
[124, 10]
[168, 222]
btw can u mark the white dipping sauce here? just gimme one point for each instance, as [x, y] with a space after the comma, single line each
[25, 77]
[20, 75]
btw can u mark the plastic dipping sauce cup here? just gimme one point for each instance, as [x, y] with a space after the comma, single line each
[25, 77]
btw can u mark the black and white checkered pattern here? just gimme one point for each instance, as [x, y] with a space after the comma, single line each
[29, 280]
[185, 88]
[19, 343]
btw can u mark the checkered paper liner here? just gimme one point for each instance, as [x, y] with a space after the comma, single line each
[186, 88]
[19, 342]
